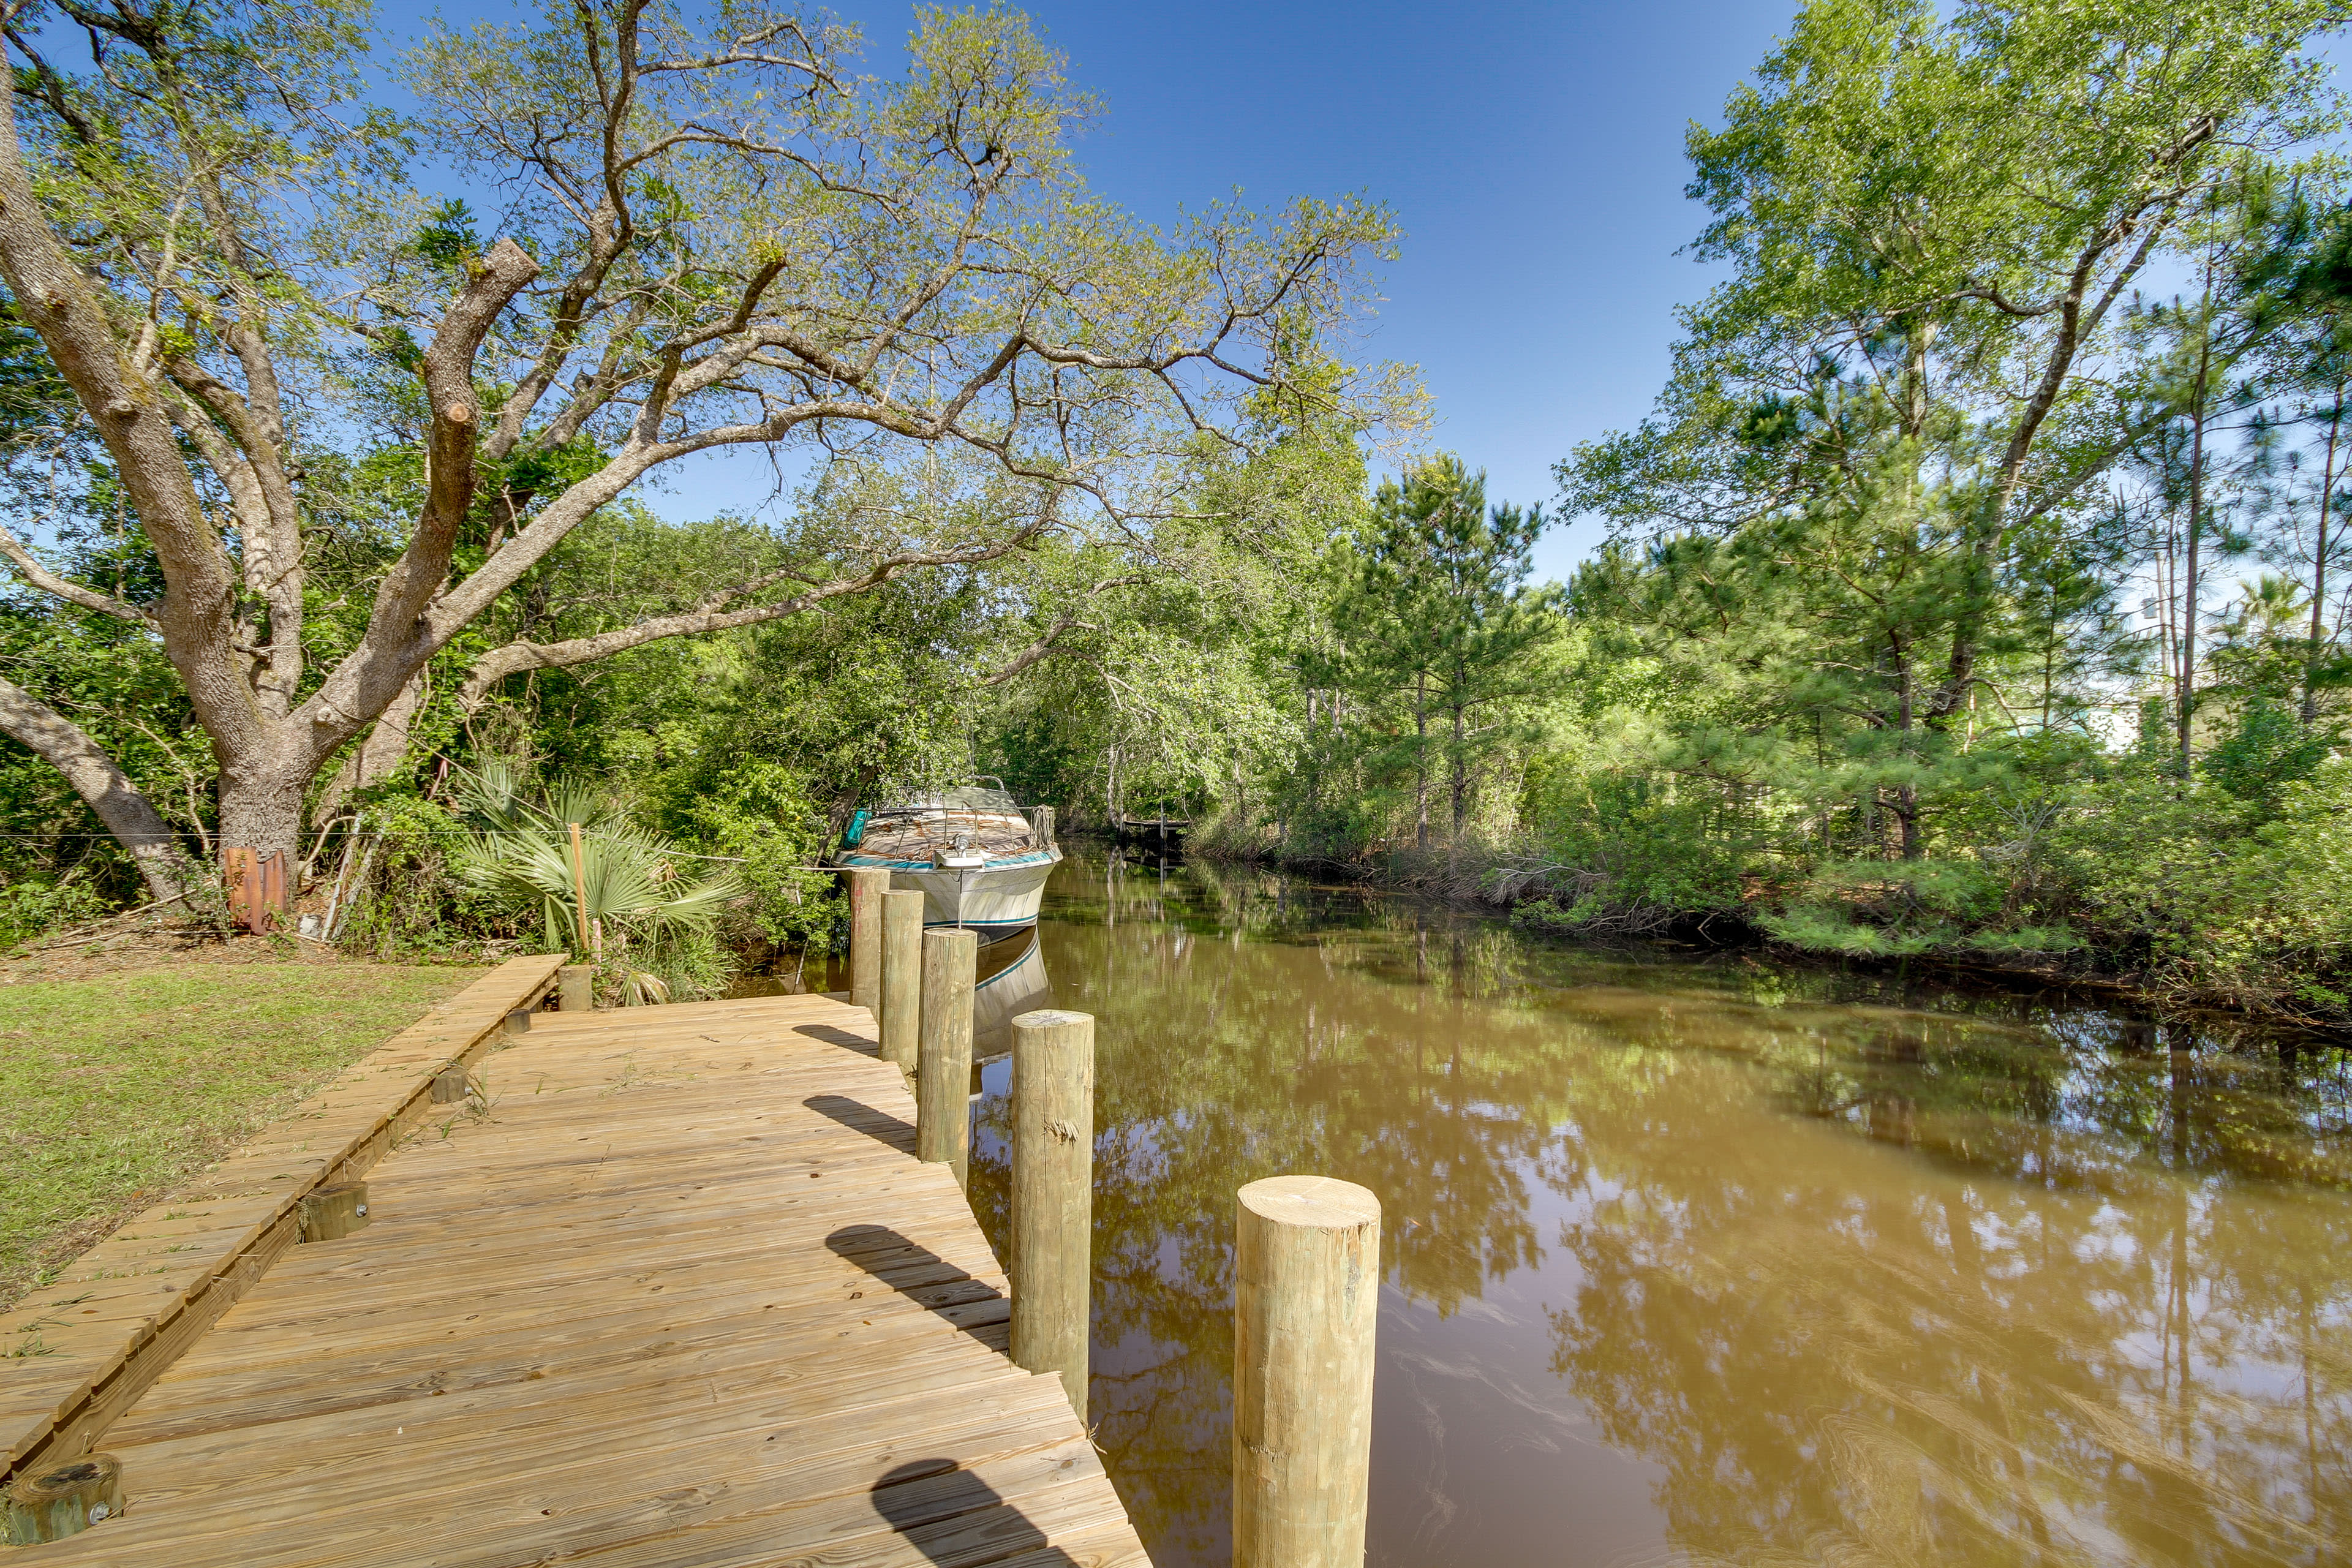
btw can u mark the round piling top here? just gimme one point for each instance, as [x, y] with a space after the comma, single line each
[1320, 1203]
[1051, 1018]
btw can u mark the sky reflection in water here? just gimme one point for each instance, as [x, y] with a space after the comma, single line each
[1713, 1260]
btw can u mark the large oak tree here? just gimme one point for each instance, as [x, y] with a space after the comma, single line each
[711, 235]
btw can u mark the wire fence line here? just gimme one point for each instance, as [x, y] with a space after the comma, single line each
[381, 833]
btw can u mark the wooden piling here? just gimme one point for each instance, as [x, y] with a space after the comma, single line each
[867, 886]
[1306, 1284]
[902, 977]
[1052, 1195]
[333, 1212]
[577, 987]
[57, 1500]
[943, 1053]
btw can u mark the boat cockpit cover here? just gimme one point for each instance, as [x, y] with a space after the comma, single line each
[963, 798]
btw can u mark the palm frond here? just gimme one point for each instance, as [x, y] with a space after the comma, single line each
[521, 853]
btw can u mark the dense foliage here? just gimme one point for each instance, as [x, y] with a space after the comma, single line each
[1976, 588]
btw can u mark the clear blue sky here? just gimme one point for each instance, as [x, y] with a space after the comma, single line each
[1533, 153]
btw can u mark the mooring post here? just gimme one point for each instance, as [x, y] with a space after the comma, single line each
[902, 976]
[943, 1054]
[1052, 1195]
[58, 1500]
[1306, 1286]
[867, 886]
[575, 987]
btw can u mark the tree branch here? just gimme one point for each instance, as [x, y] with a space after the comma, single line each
[1048, 644]
[49, 583]
[395, 646]
[107, 790]
[378, 754]
[196, 616]
[712, 615]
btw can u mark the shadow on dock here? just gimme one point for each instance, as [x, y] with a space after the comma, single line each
[860, 1116]
[950, 1515]
[924, 1278]
[831, 1036]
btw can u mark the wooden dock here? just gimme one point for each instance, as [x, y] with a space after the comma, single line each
[671, 1291]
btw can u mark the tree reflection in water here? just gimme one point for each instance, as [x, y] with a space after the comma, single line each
[1708, 1261]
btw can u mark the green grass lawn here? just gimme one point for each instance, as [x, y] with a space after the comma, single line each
[113, 1091]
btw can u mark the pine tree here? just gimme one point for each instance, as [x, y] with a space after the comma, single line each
[1437, 616]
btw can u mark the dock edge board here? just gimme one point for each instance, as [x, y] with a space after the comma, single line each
[68, 1368]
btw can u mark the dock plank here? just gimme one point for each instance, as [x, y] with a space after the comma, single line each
[677, 1296]
[75, 1352]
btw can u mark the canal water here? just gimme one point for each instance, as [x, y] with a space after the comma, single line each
[1706, 1260]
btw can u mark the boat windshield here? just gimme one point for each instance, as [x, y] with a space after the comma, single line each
[971, 798]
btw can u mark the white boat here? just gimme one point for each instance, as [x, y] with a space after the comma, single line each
[979, 860]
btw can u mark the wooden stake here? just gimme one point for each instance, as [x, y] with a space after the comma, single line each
[242, 872]
[575, 987]
[1052, 1195]
[902, 977]
[867, 886]
[58, 1500]
[273, 888]
[518, 1021]
[449, 1086]
[333, 1212]
[588, 933]
[943, 1053]
[1306, 1286]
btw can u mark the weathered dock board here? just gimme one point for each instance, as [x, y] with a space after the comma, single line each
[679, 1295]
[75, 1354]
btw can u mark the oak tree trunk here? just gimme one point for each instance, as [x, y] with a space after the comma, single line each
[261, 803]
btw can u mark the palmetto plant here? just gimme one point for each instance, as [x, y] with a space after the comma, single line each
[603, 888]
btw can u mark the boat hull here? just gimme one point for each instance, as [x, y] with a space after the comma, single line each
[999, 901]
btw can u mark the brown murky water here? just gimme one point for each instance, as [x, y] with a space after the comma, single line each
[1712, 1260]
